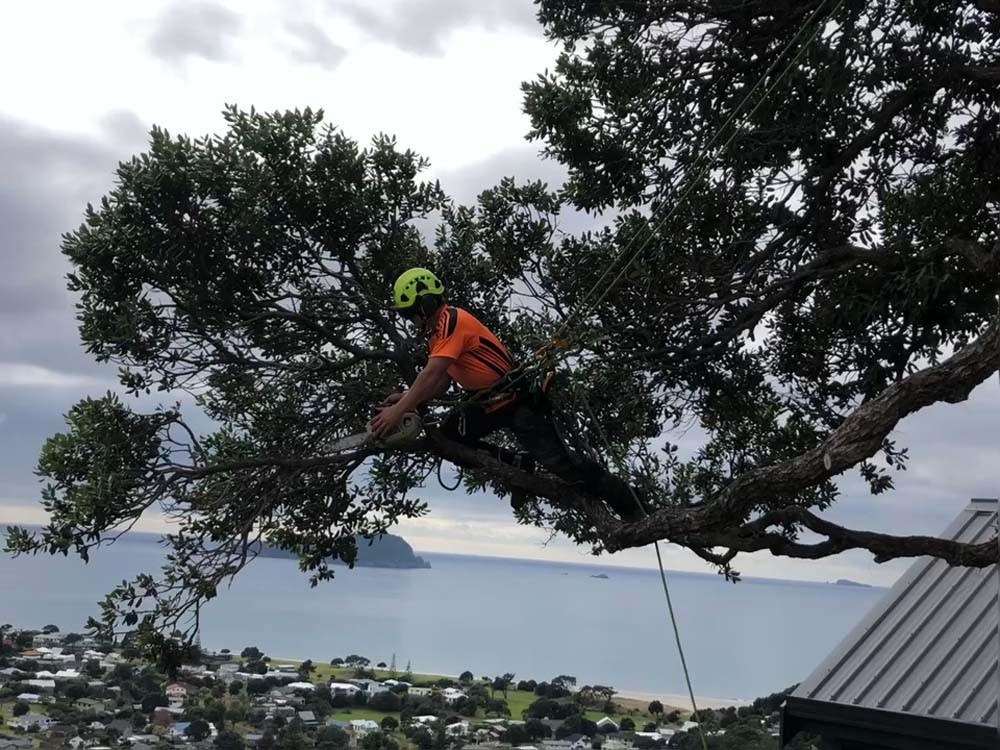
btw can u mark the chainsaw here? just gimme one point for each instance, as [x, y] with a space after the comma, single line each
[408, 430]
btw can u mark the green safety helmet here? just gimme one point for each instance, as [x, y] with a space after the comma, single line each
[413, 284]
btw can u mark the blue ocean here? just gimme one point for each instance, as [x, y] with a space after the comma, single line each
[487, 615]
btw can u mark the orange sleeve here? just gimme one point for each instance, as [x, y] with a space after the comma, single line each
[453, 337]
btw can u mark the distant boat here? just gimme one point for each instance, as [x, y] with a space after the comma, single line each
[599, 575]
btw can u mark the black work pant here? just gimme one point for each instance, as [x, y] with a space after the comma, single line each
[531, 423]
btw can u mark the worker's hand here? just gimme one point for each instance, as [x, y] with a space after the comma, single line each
[386, 420]
[391, 399]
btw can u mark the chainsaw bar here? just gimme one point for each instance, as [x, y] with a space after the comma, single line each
[408, 429]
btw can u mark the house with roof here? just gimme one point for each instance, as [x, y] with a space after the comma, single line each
[451, 695]
[90, 705]
[308, 719]
[579, 741]
[164, 716]
[30, 698]
[45, 686]
[344, 688]
[371, 687]
[110, 661]
[363, 727]
[921, 670]
[608, 723]
[56, 655]
[46, 639]
[29, 721]
[177, 690]
[149, 739]
[178, 731]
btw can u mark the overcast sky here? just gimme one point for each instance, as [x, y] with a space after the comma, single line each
[83, 82]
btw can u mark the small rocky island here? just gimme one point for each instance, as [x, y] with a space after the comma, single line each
[388, 551]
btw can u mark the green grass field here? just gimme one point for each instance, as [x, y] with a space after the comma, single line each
[5, 714]
[517, 700]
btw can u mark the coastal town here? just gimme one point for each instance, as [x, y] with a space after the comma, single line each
[70, 691]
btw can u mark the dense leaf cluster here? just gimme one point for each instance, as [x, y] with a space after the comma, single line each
[790, 268]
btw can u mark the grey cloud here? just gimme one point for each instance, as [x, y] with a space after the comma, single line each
[524, 164]
[125, 129]
[47, 182]
[195, 29]
[421, 26]
[314, 46]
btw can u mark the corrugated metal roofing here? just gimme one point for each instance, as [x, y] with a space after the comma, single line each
[930, 647]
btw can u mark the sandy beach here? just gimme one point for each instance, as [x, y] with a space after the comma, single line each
[632, 699]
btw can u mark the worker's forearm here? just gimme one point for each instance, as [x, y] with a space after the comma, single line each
[424, 388]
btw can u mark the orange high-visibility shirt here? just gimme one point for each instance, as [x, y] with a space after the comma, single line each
[478, 357]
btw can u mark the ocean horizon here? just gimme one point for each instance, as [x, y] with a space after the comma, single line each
[489, 615]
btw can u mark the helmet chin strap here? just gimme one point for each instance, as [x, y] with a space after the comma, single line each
[428, 315]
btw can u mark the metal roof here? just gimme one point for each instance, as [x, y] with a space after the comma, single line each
[930, 647]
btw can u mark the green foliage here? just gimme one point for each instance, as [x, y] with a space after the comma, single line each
[293, 737]
[536, 730]
[576, 724]
[385, 701]
[378, 741]
[841, 240]
[154, 700]
[389, 724]
[333, 738]
[20, 709]
[547, 708]
[197, 730]
[228, 740]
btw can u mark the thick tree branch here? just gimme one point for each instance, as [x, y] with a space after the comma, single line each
[753, 537]
[859, 437]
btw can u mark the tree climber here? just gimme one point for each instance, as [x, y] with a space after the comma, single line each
[464, 350]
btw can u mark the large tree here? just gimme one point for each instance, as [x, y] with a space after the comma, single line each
[794, 267]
